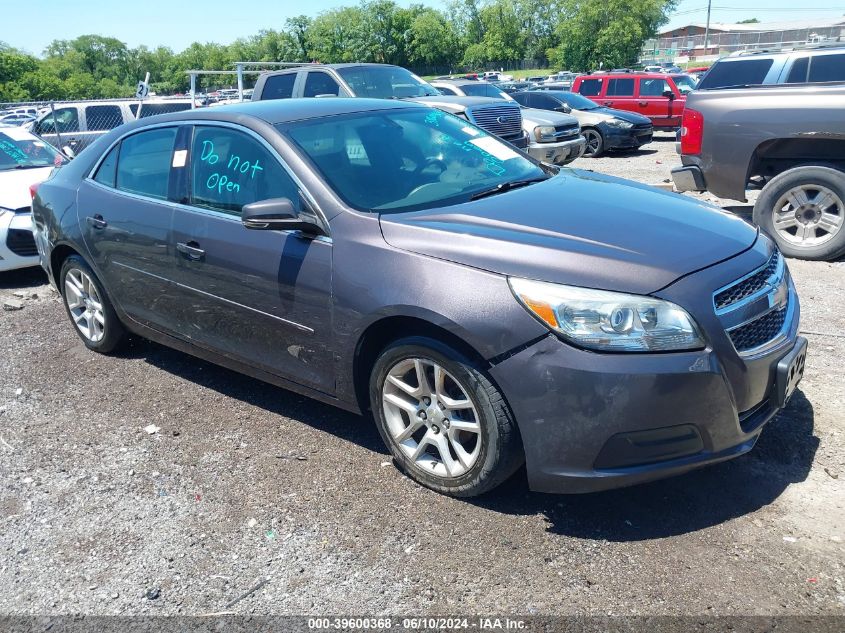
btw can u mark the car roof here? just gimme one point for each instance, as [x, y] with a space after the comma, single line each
[275, 111]
[330, 66]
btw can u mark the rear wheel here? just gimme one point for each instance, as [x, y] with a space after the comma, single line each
[595, 143]
[445, 423]
[803, 210]
[88, 307]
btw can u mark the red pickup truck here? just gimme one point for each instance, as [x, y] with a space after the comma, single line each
[658, 96]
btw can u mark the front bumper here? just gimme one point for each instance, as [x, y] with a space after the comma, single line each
[688, 178]
[617, 138]
[593, 421]
[558, 153]
[17, 247]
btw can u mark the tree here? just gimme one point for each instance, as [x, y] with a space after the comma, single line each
[606, 33]
[749, 21]
[434, 41]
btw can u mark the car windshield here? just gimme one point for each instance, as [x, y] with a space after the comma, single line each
[483, 89]
[685, 83]
[576, 101]
[403, 160]
[21, 150]
[385, 82]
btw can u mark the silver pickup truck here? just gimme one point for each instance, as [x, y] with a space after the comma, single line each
[787, 141]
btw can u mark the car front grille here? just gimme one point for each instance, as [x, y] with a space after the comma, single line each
[501, 120]
[758, 332]
[567, 131]
[755, 308]
[748, 286]
[21, 242]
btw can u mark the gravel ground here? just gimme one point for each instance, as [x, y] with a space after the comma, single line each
[244, 482]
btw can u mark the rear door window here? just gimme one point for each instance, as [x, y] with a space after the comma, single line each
[751, 72]
[620, 88]
[143, 167]
[102, 117]
[798, 72]
[279, 86]
[590, 87]
[152, 109]
[827, 68]
[319, 83]
[107, 170]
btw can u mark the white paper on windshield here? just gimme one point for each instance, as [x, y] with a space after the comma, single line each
[17, 134]
[179, 157]
[494, 148]
[469, 130]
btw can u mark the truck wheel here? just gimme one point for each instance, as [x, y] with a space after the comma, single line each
[803, 210]
[595, 142]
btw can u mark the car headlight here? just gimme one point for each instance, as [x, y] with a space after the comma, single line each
[545, 133]
[609, 321]
[624, 125]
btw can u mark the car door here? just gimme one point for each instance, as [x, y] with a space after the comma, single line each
[620, 94]
[652, 102]
[258, 296]
[60, 127]
[125, 213]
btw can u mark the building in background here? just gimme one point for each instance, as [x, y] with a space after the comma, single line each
[686, 43]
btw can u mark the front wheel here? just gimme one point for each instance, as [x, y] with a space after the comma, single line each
[803, 210]
[595, 143]
[445, 423]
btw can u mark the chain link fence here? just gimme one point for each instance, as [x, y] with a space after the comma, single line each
[76, 124]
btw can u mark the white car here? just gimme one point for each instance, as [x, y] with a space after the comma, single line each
[25, 160]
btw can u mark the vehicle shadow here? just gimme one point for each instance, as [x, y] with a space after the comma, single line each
[23, 278]
[703, 498]
[342, 424]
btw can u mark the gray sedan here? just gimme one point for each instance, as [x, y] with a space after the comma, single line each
[603, 128]
[390, 258]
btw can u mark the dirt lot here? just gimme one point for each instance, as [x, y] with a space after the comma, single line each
[245, 482]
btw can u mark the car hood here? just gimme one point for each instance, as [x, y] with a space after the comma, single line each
[14, 186]
[536, 117]
[578, 228]
[630, 117]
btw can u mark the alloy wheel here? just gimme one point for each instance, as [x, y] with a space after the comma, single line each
[85, 305]
[808, 215]
[431, 417]
[593, 142]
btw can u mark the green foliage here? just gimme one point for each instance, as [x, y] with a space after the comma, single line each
[749, 21]
[574, 34]
[606, 33]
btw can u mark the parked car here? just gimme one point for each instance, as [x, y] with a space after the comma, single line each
[557, 85]
[653, 69]
[512, 86]
[25, 161]
[818, 63]
[603, 128]
[384, 81]
[654, 95]
[384, 256]
[554, 137]
[697, 72]
[73, 126]
[685, 82]
[791, 145]
[16, 120]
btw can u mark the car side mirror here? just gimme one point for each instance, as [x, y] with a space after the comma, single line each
[67, 150]
[566, 109]
[668, 94]
[277, 214]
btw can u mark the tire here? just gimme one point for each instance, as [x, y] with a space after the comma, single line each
[803, 210]
[595, 142]
[89, 308]
[479, 460]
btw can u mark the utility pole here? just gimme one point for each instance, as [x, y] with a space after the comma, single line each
[707, 28]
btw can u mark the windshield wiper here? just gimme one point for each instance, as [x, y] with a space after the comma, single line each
[502, 187]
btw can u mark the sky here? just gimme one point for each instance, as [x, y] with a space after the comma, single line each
[176, 23]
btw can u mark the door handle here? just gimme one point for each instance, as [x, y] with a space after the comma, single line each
[608, 103]
[191, 250]
[97, 221]
[643, 103]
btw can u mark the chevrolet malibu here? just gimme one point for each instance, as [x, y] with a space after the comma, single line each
[388, 257]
